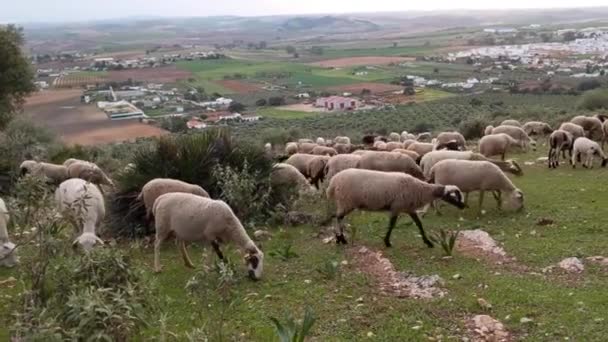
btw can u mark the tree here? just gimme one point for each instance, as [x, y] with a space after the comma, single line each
[316, 50]
[16, 75]
[569, 36]
[409, 91]
[260, 102]
[276, 101]
[290, 49]
[236, 107]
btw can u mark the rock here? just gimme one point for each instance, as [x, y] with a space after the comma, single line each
[529, 163]
[262, 234]
[295, 218]
[542, 160]
[329, 239]
[598, 259]
[525, 320]
[482, 240]
[544, 221]
[574, 265]
[489, 329]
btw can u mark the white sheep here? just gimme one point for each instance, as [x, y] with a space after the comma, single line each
[286, 175]
[8, 256]
[479, 176]
[160, 186]
[584, 147]
[300, 161]
[559, 141]
[411, 154]
[50, 172]
[537, 128]
[291, 148]
[324, 151]
[496, 144]
[408, 142]
[424, 137]
[394, 137]
[577, 131]
[390, 162]
[89, 172]
[430, 159]
[488, 130]
[316, 169]
[342, 140]
[306, 147]
[321, 142]
[198, 219]
[518, 134]
[421, 148]
[393, 145]
[385, 191]
[343, 148]
[407, 136]
[445, 138]
[342, 162]
[511, 122]
[592, 126]
[380, 145]
[82, 204]
[305, 141]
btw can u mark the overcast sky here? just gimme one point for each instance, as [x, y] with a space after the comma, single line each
[81, 10]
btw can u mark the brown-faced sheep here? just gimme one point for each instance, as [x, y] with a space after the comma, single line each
[559, 141]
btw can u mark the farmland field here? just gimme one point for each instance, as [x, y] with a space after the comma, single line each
[354, 61]
[79, 79]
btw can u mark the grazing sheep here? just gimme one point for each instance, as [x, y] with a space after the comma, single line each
[394, 137]
[342, 140]
[537, 128]
[411, 154]
[479, 176]
[444, 138]
[518, 134]
[198, 219]
[291, 148]
[160, 186]
[432, 158]
[300, 161]
[381, 138]
[390, 162]
[574, 129]
[488, 130]
[316, 169]
[51, 172]
[8, 256]
[321, 141]
[587, 148]
[392, 145]
[511, 122]
[305, 141]
[324, 151]
[424, 137]
[421, 148]
[82, 204]
[286, 175]
[385, 191]
[496, 144]
[592, 126]
[342, 148]
[407, 136]
[380, 145]
[559, 141]
[408, 142]
[306, 147]
[342, 162]
[89, 172]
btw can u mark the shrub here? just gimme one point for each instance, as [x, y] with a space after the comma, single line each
[276, 101]
[476, 102]
[446, 239]
[422, 127]
[588, 85]
[292, 331]
[473, 129]
[236, 107]
[260, 102]
[595, 99]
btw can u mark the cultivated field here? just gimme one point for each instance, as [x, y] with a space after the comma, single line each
[80, 79]
[354, 61]
[166, 74]
[357, 88]
[239, 86]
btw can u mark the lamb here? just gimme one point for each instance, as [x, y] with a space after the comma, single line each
[51, 172]
[426, 136]
[385, 191]
[536, 128]
[574, 129]
[394, 137]
[291, 148]
[587, 148]
[488, 130]
[324, 151]
[160, 186]
[306, 147]
[342, 148]
[286, 175]
[198, 219]
[341, 162]
[496, 144]
[89, 172]
[342, 140]
[8, 256]
[511, 122]
[421, 148]
[559, 141]
[518, 134]
[82, 204]
[479, 176]
[445, 138]
[432, 158]
[393, 145]
[321, 141]
[411, 154]
[390, 162]
[592, 126]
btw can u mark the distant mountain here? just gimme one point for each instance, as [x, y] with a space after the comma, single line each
[328, 23]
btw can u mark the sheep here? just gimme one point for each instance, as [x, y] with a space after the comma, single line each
[342, 148]
[592, 126]
[479, 176]
[424, 137]
[385, 191]
[380, 145]
[198, 219]
[381, 138]
[368, 140]
[316, 169]
[306, 147]
[286, 175]
[511, 122]
[393, 145]
[342, 140]
[536, 128]
[321, 141]
[300, 161]
[407, 136]
[342, 162]
[432, 158]
[408, 142]
[421, 148]
[518, 134]
[394, 137]
[89, 172]
[605, 130]
[390, 162]
[576, 130]
[559, 141]
[496, 144]
[268, 148]
[160, 186]
[82, 204]
[305, 141]
[52, 173]
[444, 138]
[291, 148]
[411, 154]
[324, 151]
[587, 148]
[8, 256]
[488, 130]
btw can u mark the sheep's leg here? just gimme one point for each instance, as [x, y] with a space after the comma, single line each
[157, 242]
[340, 239]
[466, 198]
[498, 198]
[184, 253]
[391, 225]
[218, 251]
[416, 220]
[481, 193]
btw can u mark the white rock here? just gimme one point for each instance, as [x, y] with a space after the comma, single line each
[573, 264]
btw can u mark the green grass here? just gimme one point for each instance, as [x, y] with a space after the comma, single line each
[380, 51]
[275, 113]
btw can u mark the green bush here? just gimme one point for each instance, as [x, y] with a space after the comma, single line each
[595, 99]
[473, 129]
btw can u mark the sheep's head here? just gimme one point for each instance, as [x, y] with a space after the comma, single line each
[8, 258]
[87, 241]
[453, 195]
[516, 199]
[255, 263]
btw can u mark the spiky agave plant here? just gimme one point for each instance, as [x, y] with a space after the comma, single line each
[446, 239]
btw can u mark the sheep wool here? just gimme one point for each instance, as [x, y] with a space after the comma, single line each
[393, 145]
[421, 148]
[390, 162]
[592, 126]
[511, 122]
[316, 169]
[51, 172]
[488, 130]
[342, 148]
[574, 129]
[8, 256]
[300, 161]
[286, 175]
[324, 151]
[396, 137]
[496, 144]
[160, 186]
[432, 158]
[587, 148]
[306, 147]
[426, 136]
[342, 162]
[537, 128]
[445, 138]
[411, 154]
[385, 191]
[342, 140]
[89, 172]
[518, 134]
[559, 141]
[291, 148]
[198, 219]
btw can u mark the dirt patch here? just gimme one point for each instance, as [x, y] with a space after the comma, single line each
[395, 283]
[114, 132]
[46, 97]
[238, 86]
[354, 61]
[375, 88]
[166, 74]
[484, 328]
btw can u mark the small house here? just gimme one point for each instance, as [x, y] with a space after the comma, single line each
[337, 103]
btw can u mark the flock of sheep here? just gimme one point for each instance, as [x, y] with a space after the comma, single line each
[398, 174]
